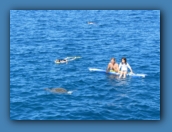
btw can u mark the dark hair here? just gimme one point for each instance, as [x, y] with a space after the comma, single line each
[113, 59]
[125, 59]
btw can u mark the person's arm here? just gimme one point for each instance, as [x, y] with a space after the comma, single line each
[129, 68]
[108, 67]
[119, 67]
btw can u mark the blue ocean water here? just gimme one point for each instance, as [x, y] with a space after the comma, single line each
[38, 37]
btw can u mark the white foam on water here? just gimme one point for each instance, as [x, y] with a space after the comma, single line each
[70, 92]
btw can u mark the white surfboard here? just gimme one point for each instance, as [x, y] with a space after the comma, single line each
[115, 73]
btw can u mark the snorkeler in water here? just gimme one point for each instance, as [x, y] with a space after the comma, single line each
[65, 60]
[61, 61]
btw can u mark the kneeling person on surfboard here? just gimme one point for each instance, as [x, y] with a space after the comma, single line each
[124, 66]
[112, 66]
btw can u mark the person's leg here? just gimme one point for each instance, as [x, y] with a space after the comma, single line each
[121, 73]
[125, 73]
[70, 58]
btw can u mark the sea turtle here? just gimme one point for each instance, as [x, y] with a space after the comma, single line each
[58, 90]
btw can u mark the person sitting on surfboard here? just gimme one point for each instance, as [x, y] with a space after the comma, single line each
[112, 66]
[124, 66]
